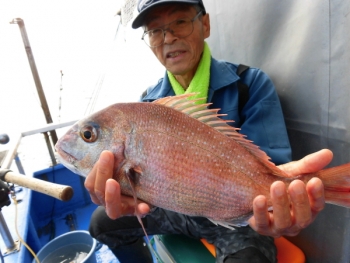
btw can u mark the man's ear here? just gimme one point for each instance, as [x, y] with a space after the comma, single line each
[206, 25]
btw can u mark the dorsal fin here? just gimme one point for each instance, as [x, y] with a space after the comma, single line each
[210, 117]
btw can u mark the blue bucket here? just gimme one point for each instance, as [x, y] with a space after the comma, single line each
[76, 245]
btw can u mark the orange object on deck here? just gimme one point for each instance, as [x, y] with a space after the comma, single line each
[209, 246]
[287, 252]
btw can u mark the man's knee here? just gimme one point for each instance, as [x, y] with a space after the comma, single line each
[249, 254]
[98, 222]
[115, 232]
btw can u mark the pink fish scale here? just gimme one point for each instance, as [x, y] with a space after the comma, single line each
[186, 172]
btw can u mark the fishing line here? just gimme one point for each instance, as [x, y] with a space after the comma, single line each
[95, 94]
[60, 97]
[126, 14]
[99, 84]
[148, 241]
[18, 235]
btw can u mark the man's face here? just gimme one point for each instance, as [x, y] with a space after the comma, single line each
[180, 56]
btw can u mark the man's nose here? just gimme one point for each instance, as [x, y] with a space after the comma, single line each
[169, 36]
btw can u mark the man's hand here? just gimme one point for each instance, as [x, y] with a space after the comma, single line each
[295, 211]
[105, 191]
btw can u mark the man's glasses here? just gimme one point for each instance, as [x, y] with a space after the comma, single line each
[179, 28]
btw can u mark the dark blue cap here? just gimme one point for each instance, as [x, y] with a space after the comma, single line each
[145, 5]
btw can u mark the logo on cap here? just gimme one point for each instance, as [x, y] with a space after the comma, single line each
[144, 3]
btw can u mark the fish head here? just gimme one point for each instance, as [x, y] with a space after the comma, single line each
[79, 149]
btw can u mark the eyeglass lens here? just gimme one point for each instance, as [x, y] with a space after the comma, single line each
[179, 28]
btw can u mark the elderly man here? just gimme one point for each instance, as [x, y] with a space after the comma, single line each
[176, 31]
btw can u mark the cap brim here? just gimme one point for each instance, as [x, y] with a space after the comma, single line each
[139, 20]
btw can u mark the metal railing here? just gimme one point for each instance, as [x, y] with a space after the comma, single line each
[12, 154]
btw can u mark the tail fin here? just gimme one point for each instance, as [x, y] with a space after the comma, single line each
[336, 182]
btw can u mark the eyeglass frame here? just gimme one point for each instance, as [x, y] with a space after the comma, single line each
[164, 31]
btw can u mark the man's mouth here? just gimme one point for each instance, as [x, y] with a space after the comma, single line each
[174, 54]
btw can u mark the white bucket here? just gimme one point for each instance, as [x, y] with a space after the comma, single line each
[76, 245]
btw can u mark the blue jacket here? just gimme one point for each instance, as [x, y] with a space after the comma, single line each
[261, 119]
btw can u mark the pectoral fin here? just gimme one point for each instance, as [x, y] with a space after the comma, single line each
[234, 223]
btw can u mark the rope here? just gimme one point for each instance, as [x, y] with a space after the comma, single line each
[18, 235]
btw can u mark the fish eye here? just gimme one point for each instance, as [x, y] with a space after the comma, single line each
[89, 133]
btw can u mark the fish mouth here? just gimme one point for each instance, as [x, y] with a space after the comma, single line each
[65, 156]
[69, 161]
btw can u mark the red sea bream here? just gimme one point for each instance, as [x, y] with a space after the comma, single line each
[182, 157]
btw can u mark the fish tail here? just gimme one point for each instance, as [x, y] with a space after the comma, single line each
[336, 181]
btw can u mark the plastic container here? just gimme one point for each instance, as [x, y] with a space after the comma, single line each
[76, 245]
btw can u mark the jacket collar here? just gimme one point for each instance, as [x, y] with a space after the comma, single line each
[220, 76]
